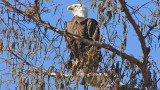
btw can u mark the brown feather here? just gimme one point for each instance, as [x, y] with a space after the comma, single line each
[87, 55]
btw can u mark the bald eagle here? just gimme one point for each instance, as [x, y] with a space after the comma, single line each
[86, 57]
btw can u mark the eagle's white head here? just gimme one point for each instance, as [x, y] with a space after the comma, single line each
[79, 10]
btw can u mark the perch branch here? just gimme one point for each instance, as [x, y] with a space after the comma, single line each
[103, 45]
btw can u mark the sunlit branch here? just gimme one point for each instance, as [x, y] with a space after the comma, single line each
[37, 10]
[103, 45]
[40, 71]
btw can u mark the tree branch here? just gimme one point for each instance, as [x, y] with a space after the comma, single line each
[94, 43]
[150, 29]
[37, 9]
[145, 49]
[40, 71]
[141, 7]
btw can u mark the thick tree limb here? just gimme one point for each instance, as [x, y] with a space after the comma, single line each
[103, 45]
[145, 49]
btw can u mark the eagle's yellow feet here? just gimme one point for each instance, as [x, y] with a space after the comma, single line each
[75, 63]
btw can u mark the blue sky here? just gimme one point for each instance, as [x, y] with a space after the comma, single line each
[133, 45]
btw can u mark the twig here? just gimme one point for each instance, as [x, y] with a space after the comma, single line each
[140, 7]
[150, 29]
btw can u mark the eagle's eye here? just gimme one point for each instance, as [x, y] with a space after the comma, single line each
[75, 6]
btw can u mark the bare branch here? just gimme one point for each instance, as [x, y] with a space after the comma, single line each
[150, 29]
[141, 7]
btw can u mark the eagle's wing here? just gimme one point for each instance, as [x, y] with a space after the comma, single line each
[93, 29]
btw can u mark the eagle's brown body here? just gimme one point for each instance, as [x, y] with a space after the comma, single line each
[87, 55]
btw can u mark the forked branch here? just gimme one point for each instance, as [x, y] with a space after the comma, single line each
[145, 49]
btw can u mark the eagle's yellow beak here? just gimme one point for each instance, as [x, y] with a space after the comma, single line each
[70, 8]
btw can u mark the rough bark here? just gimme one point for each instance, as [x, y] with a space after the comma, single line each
[145, 49]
